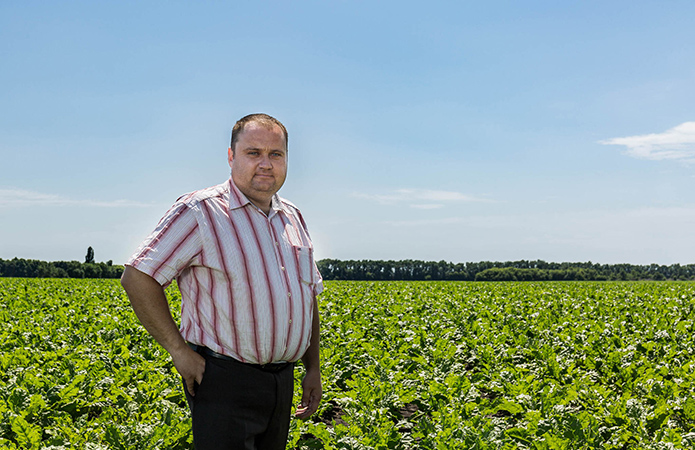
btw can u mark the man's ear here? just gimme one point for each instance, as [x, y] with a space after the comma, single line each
[230, 156]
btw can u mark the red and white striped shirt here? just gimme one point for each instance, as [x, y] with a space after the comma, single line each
[247, 280]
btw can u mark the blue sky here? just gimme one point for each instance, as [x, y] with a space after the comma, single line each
[457, 131]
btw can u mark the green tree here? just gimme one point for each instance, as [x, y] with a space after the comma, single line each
[89, 259]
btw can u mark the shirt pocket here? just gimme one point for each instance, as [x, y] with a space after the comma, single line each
[305, 264]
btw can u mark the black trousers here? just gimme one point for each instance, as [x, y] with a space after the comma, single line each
[241, 407]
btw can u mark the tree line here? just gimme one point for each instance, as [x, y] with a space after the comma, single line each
[334, 269]
[32, 268]
[376, 270]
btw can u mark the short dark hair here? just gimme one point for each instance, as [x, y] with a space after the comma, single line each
[260, 118]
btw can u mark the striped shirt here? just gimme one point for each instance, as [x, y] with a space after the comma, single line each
[247, 280]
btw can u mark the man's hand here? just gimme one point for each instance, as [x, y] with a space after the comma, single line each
[190, 365]
[311, 394]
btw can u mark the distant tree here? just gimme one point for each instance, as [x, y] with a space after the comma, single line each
[92, 270]
[89, 259]
[73, 268]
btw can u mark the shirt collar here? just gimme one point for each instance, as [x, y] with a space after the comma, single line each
[237, 200]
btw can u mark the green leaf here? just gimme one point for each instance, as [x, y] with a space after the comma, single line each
[28, 436]
[510, 407]
[552, 442]
[658, 418]
[689, 408]
[114, 437]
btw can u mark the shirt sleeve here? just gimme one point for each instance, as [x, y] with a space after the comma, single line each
[171, 247]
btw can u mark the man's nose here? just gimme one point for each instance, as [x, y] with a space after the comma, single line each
[266, 163]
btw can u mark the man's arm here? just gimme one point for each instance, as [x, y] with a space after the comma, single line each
[150, 305]
[311, 384]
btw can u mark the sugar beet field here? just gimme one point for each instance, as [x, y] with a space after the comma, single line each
[406, 365]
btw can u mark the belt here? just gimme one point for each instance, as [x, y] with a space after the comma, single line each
[271, 367]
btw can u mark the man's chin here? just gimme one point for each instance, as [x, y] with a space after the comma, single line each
[265, 188]
[263, 181]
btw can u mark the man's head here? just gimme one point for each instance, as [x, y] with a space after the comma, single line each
[260, 118]
[258, 158]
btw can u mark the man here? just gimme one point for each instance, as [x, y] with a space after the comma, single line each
[244, 265]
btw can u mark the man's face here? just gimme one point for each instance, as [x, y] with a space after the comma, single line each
[259, 162]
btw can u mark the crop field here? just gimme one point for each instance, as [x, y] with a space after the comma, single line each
[406, 365]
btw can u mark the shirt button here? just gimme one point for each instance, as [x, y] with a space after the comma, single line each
[289, 294]
[290, 322]
[282, 268]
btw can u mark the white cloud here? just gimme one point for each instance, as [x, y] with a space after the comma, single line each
[678, 143]
[21, 197]
[419, 198]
